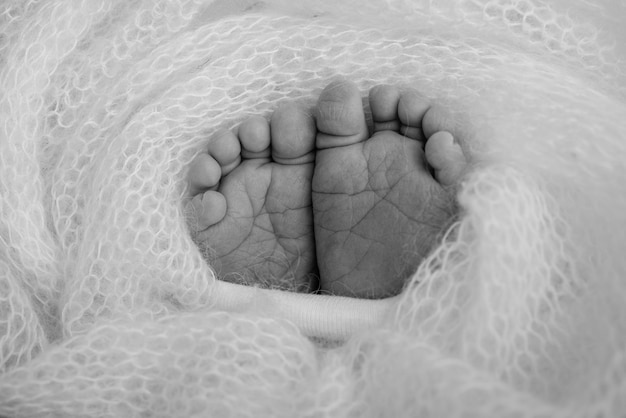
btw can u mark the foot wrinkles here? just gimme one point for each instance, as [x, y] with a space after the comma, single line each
[315, 195]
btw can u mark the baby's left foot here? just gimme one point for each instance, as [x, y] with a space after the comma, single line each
[251, 201]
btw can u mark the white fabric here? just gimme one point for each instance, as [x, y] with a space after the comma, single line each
[108, 309]
[330, 318]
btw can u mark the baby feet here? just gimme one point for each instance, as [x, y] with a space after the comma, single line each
[250, 203]
[376, 203]
[378, 208]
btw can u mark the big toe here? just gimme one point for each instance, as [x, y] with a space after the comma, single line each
[339, 116]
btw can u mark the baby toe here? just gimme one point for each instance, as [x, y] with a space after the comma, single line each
[254, 137]
[206, 209]
[293, 135]
[446, 157]
[412, 107]
[204, 173]
[384, 106]
[443, 118]
[225, 148]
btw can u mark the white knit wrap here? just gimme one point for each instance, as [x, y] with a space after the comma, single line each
[108, 309]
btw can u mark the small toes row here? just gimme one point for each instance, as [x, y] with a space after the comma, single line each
[406, 112]
[293, 133]
[397, 111]
[222, 156]
[341, 121]
[224, 153]
[288, 138]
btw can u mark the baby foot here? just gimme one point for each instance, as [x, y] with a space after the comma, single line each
[250, 207]
[380, 202]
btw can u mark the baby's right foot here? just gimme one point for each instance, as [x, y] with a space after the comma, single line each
[250, 205]
[380, 201]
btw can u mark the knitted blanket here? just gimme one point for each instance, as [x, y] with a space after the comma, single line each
[109, 309]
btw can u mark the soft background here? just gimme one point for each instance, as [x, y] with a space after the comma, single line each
[107, 308]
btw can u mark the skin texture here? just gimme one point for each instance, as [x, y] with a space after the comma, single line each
[317, 193]
[251, 201]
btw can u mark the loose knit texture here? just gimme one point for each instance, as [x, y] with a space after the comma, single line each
[108, 308]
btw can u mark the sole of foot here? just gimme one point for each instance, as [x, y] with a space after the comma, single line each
[250, 201]
[381, 200]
